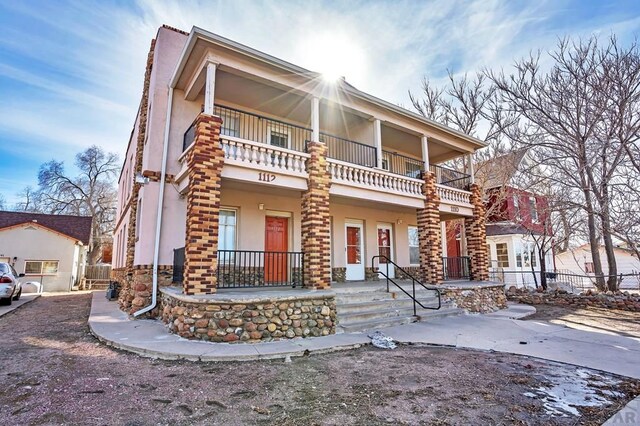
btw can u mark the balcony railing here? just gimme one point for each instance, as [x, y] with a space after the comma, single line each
[401, 164]
[247, 268]
[364, 177]
[350, 151]
[450, 177]
[268, 157]
[456, 268]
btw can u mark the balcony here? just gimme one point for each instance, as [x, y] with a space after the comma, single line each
[277, 150]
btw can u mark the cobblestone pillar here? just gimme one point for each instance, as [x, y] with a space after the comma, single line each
[477, 237]
[204, 161]
[316, 227]
[429, 232]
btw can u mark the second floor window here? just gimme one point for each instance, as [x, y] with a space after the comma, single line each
[533, 208]
[412, 169]
[516, 207]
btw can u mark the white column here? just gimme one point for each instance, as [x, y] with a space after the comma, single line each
[377, 139]
[315, 119]
[210, 88]
[443, 231]
[425, 152]
[470, 169]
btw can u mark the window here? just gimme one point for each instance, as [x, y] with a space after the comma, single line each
[41, 267]
[227, 230]
[279, 139]
[589, 268]
[526, 255]
[414, 246]
[516, 207]
[533, 207]
[385, 164]
[230, 125]
[412, 169]
[502, 254]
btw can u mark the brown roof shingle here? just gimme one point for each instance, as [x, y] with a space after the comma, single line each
[78, 227]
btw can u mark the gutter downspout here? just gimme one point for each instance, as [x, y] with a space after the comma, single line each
[163, 173]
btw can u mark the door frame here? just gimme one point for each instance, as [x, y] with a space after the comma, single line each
[389, 226]
[361, 269]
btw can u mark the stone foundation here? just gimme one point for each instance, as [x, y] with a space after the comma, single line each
[339, 275]
[249, 317]
[413, 270]
[371, 274]
[136, 286]
[475, 298]
[619, 300]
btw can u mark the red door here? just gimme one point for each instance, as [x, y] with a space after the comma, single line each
[276, 245]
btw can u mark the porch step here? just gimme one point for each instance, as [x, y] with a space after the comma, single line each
[378, 323]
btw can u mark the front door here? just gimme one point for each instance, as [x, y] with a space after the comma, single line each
[355, 252]
[276, 245]
[385, 248]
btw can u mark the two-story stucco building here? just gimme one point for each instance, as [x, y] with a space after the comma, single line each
[244, 170]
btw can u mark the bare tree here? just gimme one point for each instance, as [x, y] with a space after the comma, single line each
[568, 108]
[91, 193]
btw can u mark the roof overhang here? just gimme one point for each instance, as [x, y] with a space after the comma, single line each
[200, 35]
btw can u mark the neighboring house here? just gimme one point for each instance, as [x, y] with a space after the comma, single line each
[272, 175]
[515, 217]
[49, 249]
[578, 261]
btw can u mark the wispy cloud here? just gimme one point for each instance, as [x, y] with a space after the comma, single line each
[71, 72]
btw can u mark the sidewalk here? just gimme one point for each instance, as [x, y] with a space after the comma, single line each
[610, 353]
[24, 299]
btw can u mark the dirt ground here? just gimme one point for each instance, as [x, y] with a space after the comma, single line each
[614, 321]
[55, 372]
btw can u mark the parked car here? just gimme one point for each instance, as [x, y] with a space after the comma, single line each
[10, 286]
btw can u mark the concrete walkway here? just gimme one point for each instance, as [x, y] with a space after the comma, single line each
[24, 299]
[610, 353]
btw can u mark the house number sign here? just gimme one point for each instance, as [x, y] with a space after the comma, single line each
[455, 209]
[266, 177]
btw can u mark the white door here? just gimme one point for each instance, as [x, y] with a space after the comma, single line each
[385, 248]
[355, 251]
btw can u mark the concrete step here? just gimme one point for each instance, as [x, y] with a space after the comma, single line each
[377, 323]
[386, 312]
[371, 305]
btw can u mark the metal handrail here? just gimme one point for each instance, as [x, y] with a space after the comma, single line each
[413, 283]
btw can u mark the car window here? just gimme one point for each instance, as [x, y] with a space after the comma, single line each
[4, 268]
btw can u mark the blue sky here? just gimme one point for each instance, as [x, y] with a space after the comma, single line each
[71, 71]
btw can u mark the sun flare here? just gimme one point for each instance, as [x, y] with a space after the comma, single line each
[335, 55]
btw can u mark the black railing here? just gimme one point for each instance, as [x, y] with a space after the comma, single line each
[247, 268]
[450, 177]
[350, 151]
[178, 265]
[385, 272]
[401, 164]
[189, 136]
[456, 268]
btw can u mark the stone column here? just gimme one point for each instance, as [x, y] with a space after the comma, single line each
[477, 237]
[316, 227]
[430, 232]
[204, 161]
